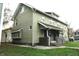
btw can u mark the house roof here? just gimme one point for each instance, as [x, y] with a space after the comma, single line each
[47, 26]
[19, 6]
[52, 13]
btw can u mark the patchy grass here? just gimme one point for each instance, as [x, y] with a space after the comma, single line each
[72, 44]
[8, 50]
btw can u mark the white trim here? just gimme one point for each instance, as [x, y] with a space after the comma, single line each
[1, 22]
[33, 27]
[18, 30]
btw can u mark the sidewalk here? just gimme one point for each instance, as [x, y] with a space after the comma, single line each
[40, 47]
[72, 47]
[45, 47]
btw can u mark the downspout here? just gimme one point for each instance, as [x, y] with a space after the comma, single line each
[48, 37]
[32, 26]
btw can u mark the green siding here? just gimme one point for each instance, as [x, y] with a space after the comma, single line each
[31, 18]
[24, 20]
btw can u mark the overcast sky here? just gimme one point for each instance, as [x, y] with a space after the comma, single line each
[68, 10]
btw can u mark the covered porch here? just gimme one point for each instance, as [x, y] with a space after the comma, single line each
[51, 35]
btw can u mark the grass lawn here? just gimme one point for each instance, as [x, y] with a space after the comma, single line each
[22, 51]
[72, 44]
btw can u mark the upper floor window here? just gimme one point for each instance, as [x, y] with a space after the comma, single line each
[30, 27]
[15, 23]
[43, 18]
[78, 33]
[22, 10]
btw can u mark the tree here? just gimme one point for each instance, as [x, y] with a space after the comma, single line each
[7, 14]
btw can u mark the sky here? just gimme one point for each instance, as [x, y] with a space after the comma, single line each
[68, 10]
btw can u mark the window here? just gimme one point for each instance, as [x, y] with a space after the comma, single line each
[6, 35]
[78, 33]
[16, 34]
[22, 10]
[61, 32]
[43, 18]
[15, 22]
[75, 33]
[30, 28]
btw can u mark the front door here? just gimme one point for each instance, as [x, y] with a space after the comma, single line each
[54, 34]
[45, 37]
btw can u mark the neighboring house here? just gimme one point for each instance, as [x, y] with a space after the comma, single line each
[32, 26]
[71, 34]
[7, 26]
[1, 19]
[76, 36]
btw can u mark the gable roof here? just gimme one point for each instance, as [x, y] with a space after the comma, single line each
[19, 6]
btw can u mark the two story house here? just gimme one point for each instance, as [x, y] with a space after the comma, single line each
[76, 34]
[32, 26]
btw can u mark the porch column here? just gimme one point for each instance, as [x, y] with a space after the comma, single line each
[48, 38]
[33, 42]
[33, 37]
